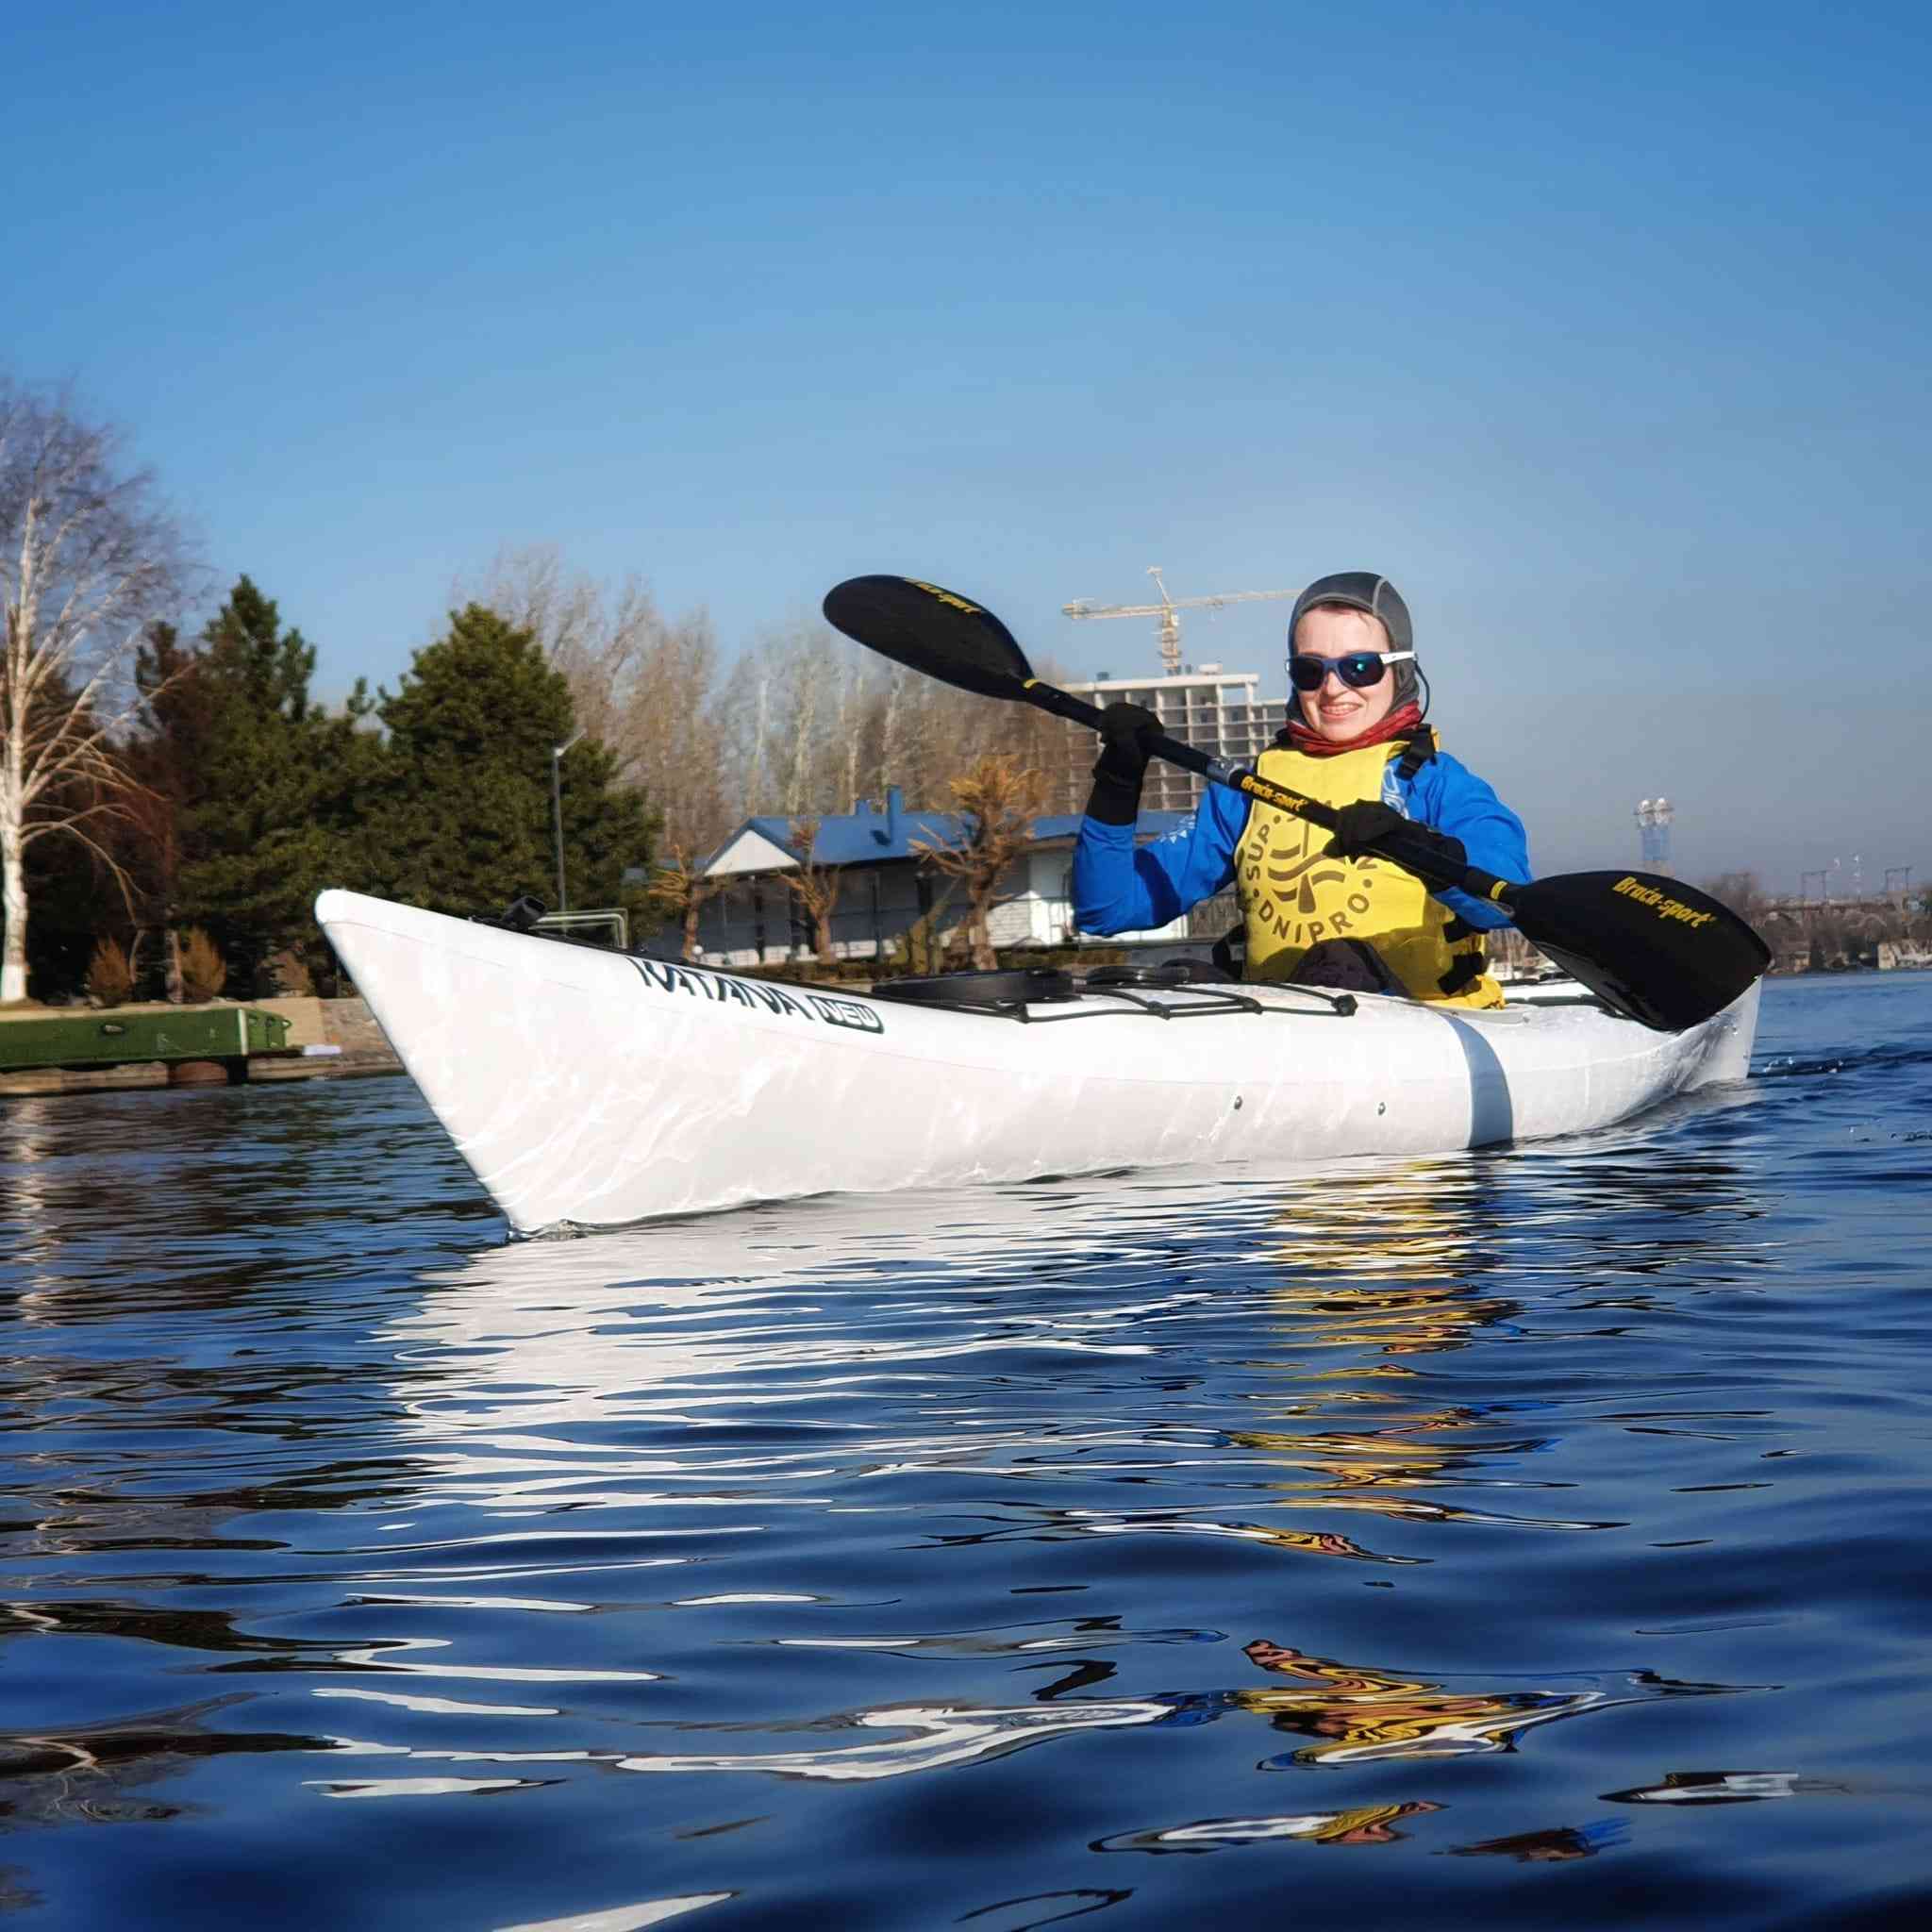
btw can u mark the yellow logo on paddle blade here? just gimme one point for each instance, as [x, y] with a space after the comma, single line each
[945, 597]
[1661, 904]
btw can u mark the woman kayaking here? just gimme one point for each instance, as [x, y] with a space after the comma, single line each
[1318, 907]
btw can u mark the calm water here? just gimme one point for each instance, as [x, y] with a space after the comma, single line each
[1530, 1538]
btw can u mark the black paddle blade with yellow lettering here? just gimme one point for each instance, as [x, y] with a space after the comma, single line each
[936, 632]
[1653, 948]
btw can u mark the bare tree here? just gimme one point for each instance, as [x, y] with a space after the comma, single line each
[671, 734]
[86, 561]
[1743, 891]
[640, 684]
[815, 724]
[783, 713]
[1001, 795]
[682, 888]
[815, 885]
[594, 636]
[805, 723]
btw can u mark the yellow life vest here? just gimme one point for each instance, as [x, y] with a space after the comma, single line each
[1293, 893]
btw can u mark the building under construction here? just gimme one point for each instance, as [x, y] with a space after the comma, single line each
[1221, 712]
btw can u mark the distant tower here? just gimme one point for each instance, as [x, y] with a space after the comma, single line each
[1654, 816]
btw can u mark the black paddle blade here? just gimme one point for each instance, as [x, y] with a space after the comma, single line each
[930, 630]
[1656, 950]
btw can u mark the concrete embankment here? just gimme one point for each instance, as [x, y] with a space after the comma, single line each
[326, 1040]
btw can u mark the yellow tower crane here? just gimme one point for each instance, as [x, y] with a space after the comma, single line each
[1168, 610]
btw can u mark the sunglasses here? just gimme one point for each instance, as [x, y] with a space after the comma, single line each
[1358, 669]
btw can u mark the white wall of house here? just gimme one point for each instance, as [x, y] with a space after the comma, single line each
[1050, 900]
[750, 851]
[1037, 905]
[756, 920]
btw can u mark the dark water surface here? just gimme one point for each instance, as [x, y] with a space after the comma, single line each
[1527, 1538]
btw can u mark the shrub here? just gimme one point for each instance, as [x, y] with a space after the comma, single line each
[204, 971]
[109, 974]
[283, 974]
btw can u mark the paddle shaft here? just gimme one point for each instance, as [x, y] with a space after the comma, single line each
[1433, 867]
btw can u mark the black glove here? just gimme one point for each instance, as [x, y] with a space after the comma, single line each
[1369, 829]
[1366, 823]
[1122, 766]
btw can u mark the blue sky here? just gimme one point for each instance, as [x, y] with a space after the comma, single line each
[1600, 331]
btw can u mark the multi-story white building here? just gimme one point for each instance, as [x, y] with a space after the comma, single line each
[1221, 712]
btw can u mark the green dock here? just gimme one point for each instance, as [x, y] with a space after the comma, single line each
[225, 1042]
[227, 1036]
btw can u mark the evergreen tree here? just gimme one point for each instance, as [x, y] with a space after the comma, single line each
[270, 789]
[464, 819]
[166, 758]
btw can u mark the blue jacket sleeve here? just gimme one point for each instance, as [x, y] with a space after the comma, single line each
[1121, 887]
[1448, 796]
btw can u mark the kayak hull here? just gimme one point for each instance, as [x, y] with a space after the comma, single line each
[587, 1088]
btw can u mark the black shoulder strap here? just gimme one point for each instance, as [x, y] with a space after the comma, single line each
[1419, 749]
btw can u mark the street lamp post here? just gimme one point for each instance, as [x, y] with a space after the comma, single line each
[557, 752]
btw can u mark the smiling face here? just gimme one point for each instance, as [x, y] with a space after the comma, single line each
[1337, 712]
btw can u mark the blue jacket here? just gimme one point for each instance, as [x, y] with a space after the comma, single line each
[1120, 886]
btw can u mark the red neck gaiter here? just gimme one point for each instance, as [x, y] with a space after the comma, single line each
[1402, 718]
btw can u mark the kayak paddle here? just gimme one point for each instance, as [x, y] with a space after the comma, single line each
[1651, 948]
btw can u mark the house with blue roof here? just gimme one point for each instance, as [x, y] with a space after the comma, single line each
[883, 886]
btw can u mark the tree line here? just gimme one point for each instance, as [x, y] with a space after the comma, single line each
[163, 782]
[1828, 935]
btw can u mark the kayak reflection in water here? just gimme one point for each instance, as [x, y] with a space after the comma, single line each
[1557, 1846]
[1318, 908]
[1368, 1281]
[1358, 1714]
[1362, 1824]
[1352, 1712]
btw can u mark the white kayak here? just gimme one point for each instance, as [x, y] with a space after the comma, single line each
[589, 1089]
